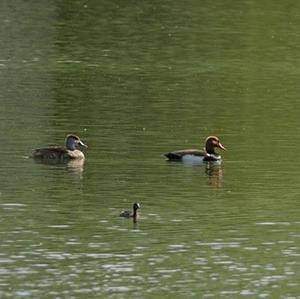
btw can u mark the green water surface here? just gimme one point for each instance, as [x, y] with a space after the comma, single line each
[135, 79]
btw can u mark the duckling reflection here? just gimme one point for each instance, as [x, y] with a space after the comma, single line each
[215, 174]
[131, 214]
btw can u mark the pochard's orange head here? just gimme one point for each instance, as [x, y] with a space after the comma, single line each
[211, 143]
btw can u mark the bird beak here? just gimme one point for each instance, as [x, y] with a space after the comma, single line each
[82, 144]
[221, 147]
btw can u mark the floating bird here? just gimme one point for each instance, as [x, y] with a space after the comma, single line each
[206, 155]
[66, 153]
[131, 214]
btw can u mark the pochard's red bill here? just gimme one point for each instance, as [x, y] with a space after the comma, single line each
[222, 147]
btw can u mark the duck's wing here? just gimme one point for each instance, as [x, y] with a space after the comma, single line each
[55, 153]
[177, 155]
[126, 214]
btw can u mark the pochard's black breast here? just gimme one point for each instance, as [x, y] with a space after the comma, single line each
[211, 157]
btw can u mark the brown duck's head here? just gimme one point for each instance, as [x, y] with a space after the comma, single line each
[211, 143]
[72, 141]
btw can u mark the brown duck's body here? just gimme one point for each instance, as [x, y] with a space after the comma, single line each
[206, 155]
[57, 153]
[69, 152]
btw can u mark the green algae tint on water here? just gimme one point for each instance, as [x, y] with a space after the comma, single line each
[136, 80]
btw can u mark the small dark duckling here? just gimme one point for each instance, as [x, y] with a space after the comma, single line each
[195, 155]
[66, 153]
[131, 214]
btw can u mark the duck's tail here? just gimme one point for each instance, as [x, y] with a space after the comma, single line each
[172, 156]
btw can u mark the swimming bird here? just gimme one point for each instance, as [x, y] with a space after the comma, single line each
[66, 153]
[131, 214]
[195, 155]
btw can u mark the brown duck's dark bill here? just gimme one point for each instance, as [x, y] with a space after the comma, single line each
[222, 147]
[82, 144]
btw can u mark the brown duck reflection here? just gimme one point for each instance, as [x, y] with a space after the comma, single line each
[74, 167]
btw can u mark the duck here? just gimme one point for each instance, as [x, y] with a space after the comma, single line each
[131, 214]
[69, 152]
[194, 155]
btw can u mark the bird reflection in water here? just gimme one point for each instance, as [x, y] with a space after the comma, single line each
[74, 167]
[215, 174]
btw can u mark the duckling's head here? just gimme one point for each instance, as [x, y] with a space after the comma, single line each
[211, 143]
[72, 141]
[136, 206]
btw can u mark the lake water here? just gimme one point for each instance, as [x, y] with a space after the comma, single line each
[135, 80]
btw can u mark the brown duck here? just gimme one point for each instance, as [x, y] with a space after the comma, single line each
[195, 155]
[66, 153]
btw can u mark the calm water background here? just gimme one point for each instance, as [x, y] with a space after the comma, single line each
[134, 80]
